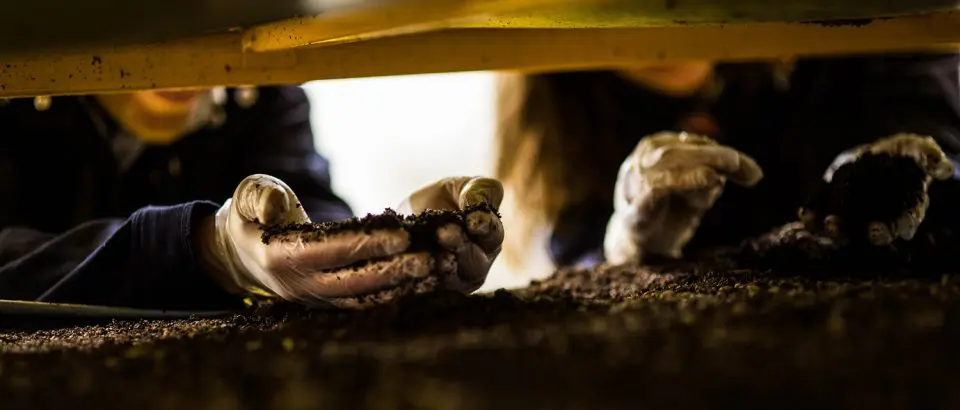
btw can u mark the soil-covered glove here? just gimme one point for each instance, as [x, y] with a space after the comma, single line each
[878, 192]
[477, 248]
[329, 270]
[663, 189]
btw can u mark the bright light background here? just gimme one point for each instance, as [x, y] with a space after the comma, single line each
[386, 137]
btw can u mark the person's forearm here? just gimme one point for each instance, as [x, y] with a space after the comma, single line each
[146, 261]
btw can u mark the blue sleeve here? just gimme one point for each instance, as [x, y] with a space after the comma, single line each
[577, 237]
[145, 261]
[282, 144]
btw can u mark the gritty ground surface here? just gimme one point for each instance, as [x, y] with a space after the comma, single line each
[613, 338]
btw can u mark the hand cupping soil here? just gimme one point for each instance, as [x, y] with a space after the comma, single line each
[422, 229]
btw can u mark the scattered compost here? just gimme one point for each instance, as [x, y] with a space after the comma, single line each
[679, 335]
[787, 321]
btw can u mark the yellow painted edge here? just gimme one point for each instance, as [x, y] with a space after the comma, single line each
[385, 19]
[220, 60]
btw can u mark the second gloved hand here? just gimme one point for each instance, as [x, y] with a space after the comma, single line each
[663, 189]
[478, 246]
[878, 193]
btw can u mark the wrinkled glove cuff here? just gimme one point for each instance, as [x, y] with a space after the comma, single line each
[231, 261]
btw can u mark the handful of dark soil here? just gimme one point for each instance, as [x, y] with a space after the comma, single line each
[423, 233]
[422, 227]
[875, 187]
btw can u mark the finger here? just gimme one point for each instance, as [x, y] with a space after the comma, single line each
[669, 138]
[923, 149]
[831, 226]
[807, 217]
[366, 279]
[473, 262]
[486, 230]
[697, 178]
[473, 265]
[878, 233]
[696, 139]
[443, 265]
[721, 158]
[442, 194]
[741, 168]
[942, 170]
[334, 251]
[907, 224]
[451, 237]
[479, 190]
[749, 173]
[387, 296]
[266, 200]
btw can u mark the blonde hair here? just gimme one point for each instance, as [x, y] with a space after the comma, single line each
[549, 147]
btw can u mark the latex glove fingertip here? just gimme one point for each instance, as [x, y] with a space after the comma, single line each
[487, 229]
[268, 201]
[481, 190]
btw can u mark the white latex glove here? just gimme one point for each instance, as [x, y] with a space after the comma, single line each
[663, 189]
[824, 213]
[312, 272]
[478, 247]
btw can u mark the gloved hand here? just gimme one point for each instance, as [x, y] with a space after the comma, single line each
[478, 247]
[232, 248]
[328, 271]
[663, 189]
[874, 192]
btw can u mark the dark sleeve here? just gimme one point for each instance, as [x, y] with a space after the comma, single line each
[577, 237]
[843, 102]
[915, 93]
[145, 261]
[281, 144]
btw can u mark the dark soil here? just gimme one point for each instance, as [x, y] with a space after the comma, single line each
[876, 187]
[422, 227]
[680, 336]
[786, 321]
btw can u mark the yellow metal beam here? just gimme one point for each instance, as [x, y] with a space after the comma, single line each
[658, 13]
[383, 18]
[387, 18]
[220, 60]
